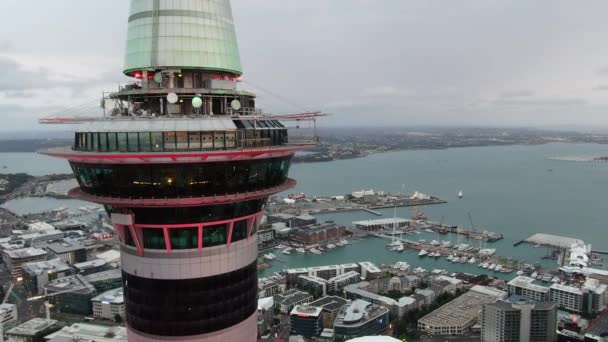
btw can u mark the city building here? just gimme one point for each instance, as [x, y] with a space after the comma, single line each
[109, 305]
[568, 297]
[266, 236]
[287, 300]
[316, 286]
[84, 332]
[345, 268]
[184, 164]
[42, 238]
[524, 286]
[374, 225]
[265, 315]
[304, 220]
[105, 280]
[337, 284]
[369, 271]
[294, 274]
[324, 272]
[14, 259]
[33, 330]
[267, 288]
[91, 266]
[69, 252]
[360, 318]
[317, 233]
[8, 315]
[519, 319]
[71, 294]
[595, 298]
[330, 306]
[37, 274]
[39, 227]
[306, 321]
[458, 316]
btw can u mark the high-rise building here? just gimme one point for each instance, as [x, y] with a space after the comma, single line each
[519, 319]
[184, 163]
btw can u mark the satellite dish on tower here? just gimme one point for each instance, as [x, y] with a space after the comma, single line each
[197, 102]
[235, 104]
[172, 98]
[158, 77]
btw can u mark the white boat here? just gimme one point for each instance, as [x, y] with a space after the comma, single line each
[456, 259]
[480, 264]
[492, 266]
[270, 256]
[331, 246]
[437, 254]
[422, 241]
[520, 272]
[423, 253]
[485, 265]
[450, 257]
[498, 268]
[300, 250]
[435, 243]
[534, 275]
[547, 277]
[472, 260]
[315, 251]
[419, 270]
[400, 248]
[436, 271]
[555, 279]
[446, 244]
[460, 194]
[286, 251]
[463, 260]
[429, 230]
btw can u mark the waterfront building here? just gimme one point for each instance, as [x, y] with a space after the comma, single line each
[266, 236]
[287, 300]
[336, 284]
[319, 233]
[33, 330]
[293, 274]
[304, 220]
[37, 274]
[314, 285]
[458, 316]
[519, 319]
[71, 294]
[595, 298]
[380, 224]
[69, 252]
[568, 297]
[360, 318]
[267, 288]
[306, 321]
[428, 295]
[446, 284]
[369, 270]
[89, 333]
[184, 164]
[330, 306]
[265, 315]
[280, 218]
[397, 308]
[345, 268]
[325, 272]
[109, 305]
[8, 315]
[105, 280]
[524, 286]
[14, 259]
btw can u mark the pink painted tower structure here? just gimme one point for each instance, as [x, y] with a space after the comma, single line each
[184, 163]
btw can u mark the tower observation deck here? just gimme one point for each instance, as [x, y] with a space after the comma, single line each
[184, 163]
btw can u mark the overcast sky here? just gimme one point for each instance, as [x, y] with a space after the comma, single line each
[369, 62]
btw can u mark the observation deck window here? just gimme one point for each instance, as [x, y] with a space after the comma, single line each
[184, 238]
[154, 239]
[215, 235]
[122, 142]
[133, 142]
[239, 232]
[157, 141]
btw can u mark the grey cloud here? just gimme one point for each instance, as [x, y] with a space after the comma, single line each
[603, 71]
[601, 87]
[517, 93]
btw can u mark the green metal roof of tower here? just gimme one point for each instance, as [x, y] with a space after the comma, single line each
[182, 34]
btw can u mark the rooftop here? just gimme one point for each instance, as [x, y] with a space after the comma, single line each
[40, 226]
[291, 297]
[370, 267]
[265, 303]
[90, 264]
[32, 327]
[381, 222]
[114, 296]
[64, 247]
[527, 283]
[73, 284]
[25, 253]
[306, 310]
[105, 275]
[330, 303]
[89, 333]
[566, 288]
[53, 265]
[464, 310]
[358, 312]
[553, 240]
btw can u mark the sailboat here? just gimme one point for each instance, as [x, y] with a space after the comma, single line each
[460, 194]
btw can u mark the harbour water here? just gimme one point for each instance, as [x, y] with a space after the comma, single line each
[513, 190]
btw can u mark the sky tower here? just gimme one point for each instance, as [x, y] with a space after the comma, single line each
[184, 163]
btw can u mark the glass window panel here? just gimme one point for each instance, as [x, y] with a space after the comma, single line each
[133, 142]
[154, 238]
[184, 238]
[240, 231]
[169, 139]
[112, 142]
[144, 142]
[157, 141]
[194, 139]
[182, 140]
[103, 142]
[218, 142]
[128, 237]
[215, 235]
[89, 141]
[122, 142]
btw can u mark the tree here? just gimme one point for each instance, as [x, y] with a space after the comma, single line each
[118, 319]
